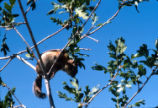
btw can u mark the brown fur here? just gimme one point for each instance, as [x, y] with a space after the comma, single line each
[63, 63]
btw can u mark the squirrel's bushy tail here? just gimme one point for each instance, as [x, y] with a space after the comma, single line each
[37, 87]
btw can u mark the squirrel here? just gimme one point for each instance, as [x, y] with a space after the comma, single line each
[64, 62]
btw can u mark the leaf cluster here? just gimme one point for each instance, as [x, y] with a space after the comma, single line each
[4, 46]
[137, 104]
[79, 96]
[128, 69]
[32, 4]
[6, 15]
[8, 101]
[75, 10]
[135, 3]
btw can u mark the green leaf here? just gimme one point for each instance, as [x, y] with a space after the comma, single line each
[12, 2]
[81, 13]
[8, 7]
[135, 55]
[33, 4]
[99, 24]
[79, 97]
[63, 95]
[114, 99]
[137, 104]
[120, 46]
[8, 101]
[1, 82]
[111, 47]
[94, 90]
[149, 62]
[69, 89]
[74, 83]
[15, 15]
[99, 68]
[4, 46]
[141, 70]
[87, 91]
[51, 11]
[143, 51]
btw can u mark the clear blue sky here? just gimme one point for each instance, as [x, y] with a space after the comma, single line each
[136, 28]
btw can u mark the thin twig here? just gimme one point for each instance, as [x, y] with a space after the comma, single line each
[3, 58]
[7, 57]
[91, 13]
[91, 99]
[26, 62]
[93, 39]
[31, 34]
[29, 8]
[5, 85]
[87, 21]
[6, 64]
[19, 106]
[140, 89]
[13, 24]
[86, 49]
[51, 35]
[106, 22]
[22, 37]
[47, 37]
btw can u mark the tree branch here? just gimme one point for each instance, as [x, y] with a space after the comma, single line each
[49, 94]
[29, 8]
[6, 64]
[95, 40]
[23, 106]
[106, 22]
[31, 34]
[22, 37]
[26, 62]
[91, 13]
[140, 89]
[37, 50]
[51, 35]
[47, 37]
[92, 98]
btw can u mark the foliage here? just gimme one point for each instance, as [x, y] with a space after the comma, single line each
[4, 46]
[8, 101]
[130, 3]
[32, 3]
[75, 10]
[130, 70]
[126, 71]
[7, 16]
[80, 96]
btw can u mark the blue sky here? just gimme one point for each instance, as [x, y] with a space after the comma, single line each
[135, 28]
